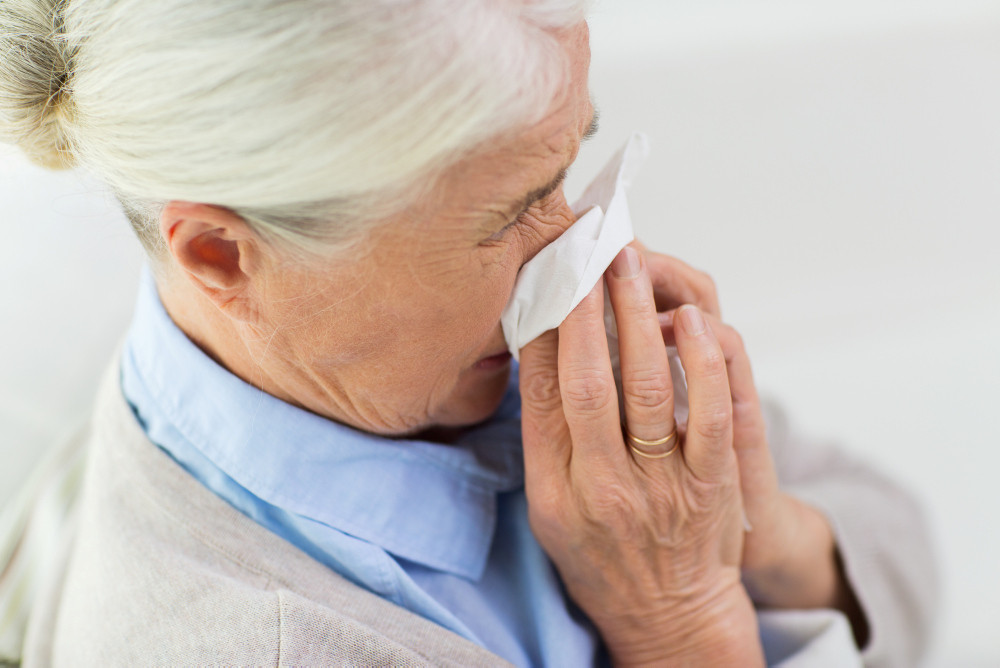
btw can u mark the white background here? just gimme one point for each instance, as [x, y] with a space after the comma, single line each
[834, 166]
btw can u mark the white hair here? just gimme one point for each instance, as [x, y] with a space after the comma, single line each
[311, 119]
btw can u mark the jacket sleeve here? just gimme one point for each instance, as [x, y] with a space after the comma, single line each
[882, 536]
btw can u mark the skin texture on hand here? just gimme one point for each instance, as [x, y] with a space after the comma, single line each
[588, 512]
[649, 549]
[653, 550]
[790, 558]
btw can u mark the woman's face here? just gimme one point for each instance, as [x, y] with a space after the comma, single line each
[407, 336]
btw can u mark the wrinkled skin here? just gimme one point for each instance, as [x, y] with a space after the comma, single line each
[404, 338]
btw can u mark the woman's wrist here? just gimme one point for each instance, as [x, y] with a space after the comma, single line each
[809, 574]
[720, 629]
[802, 571]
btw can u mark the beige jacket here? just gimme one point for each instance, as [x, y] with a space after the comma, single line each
[162, 572]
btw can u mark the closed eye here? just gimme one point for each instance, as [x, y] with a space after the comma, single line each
[531, 200]
[503, 230]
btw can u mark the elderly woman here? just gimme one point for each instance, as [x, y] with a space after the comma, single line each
[315, 448]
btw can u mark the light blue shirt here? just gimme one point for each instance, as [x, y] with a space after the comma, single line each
[440, 530]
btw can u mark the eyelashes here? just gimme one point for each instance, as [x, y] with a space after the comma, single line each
[499, 234]
[519, 218]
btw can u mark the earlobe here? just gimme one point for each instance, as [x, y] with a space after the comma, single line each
[214, 248]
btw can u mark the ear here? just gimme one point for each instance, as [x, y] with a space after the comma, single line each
[216, 250]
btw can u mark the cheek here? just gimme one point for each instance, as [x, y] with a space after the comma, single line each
[460, 321]
[498, 272]
[408, 321]
[477, 303]
[441, 326]
[333, 319]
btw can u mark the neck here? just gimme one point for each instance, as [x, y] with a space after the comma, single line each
[217, 335]
[242, 349]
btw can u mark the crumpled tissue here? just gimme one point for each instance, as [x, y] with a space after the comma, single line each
[553, 282]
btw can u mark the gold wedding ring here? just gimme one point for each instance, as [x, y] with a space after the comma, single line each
[672, 436]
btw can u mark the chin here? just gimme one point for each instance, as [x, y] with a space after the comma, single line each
[475, 399]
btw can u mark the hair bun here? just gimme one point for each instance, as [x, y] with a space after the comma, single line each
[34, 75]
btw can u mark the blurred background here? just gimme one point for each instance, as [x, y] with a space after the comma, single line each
[835, 167]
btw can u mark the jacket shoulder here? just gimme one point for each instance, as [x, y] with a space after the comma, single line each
[161, 570]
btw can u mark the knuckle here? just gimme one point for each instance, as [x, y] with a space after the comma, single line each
[589, 393]
[540, 390]
[651, 389]
[638, 304]
[713, 423]
[712, 363]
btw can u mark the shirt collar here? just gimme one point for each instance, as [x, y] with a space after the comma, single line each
[426, 502]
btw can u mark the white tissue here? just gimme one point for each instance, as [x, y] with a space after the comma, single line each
[560, 276]
[550, 286]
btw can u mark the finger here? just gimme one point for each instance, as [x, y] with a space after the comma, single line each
[708, 445]
[543, 426]
[746, 402]
[749, 429]
[587, 384]
[676, 283]
[645, 370]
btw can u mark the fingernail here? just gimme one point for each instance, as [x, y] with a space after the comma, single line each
[626, 264]
[694, 324]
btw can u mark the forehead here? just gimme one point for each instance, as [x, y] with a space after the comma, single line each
[525, 160]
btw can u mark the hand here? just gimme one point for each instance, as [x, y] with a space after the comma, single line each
[676, 283]
[775, 519]
[649, 548]
[790, 558]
